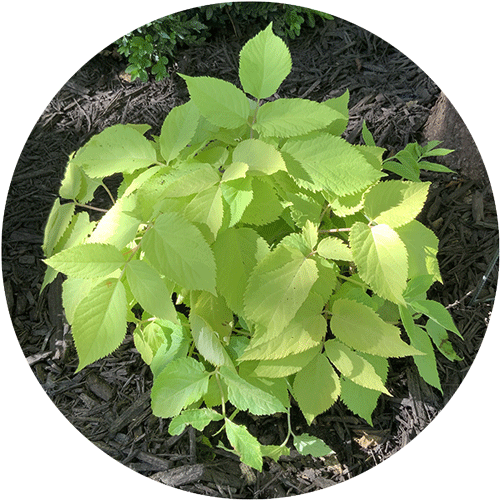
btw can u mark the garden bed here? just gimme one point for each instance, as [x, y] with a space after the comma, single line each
[108, 402]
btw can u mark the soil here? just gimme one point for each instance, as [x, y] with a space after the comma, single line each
[108, 402]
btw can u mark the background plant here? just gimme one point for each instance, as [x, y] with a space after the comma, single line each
[151, 48]
[258, 257]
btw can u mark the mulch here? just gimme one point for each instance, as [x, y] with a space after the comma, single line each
[108, 402]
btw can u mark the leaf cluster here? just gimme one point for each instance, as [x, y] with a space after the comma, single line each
[298, 263]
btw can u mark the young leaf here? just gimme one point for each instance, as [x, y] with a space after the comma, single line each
[246, 396]
[335, 249]
[99, 323]
[264, 63]
[220, 102]
[395, 203]
[261, 158]
[353, 366]
[148, 340]
[177, 249]
[318, 373]
[367, 135]
[236, 252]
[199, 419]
[91, 260]
[419, 339]
[277, 287]
[359, 327]
[237, 194]
[437, 312]
[245, 445]
[292, 117]
[381, 258]
[182, 382]
[150, 290]
[119, 148]
[330, 163]
[177, 130]
[275, 452]
[311, 445]
[207, 208]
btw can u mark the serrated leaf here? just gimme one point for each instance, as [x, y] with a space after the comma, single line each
[340, 106]
[335, 249]
[236, 252]
[177, 346]
[177, 249]
[330, 163]
[245, 445]
[150, 290]
[177, 130]
[306, 444]
[437, 312]
[353, 366]
[237, 194]
[182, 382]
[305, 331]
[318, 373]
[277, 287]
[265, 206]
[292, 117]
[117, 227]
[264, 63]
[90, 260]
[207, 342]
[422, 245]
[99, 323]
[261, 158]
[207, 208]
[59, 218]
[278, 368]
[246, 396]
[186, 179]
[220, 102]
[198, 419]
[71, 183]
[275, 452]
[367, 135]
[359, 327]
[148, 340]
[119, 148]
[381, 258]
[394, 202]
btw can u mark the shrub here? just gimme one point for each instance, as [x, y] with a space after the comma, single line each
[153, 47]
[295, 261]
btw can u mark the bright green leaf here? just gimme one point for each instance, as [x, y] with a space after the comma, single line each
[261, 158]
[311, 445]
[245, 445]
[199, 419]
[437, 312]
[335, 249]
[264, 63]
[208, 343]
[59, 218]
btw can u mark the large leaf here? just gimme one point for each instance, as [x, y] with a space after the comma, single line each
[359, 327]
[237, 251]
[150, 290]
[182, 382]
[238, 194]
[264, 63]
[292, 117]
[99, 323]
[261, 158]
[277, 287]
[186, 179]
[208, 342]
[319, 374]
[91, 260]
[395, 202]
[246, 396]
[265, 206]
[381, 258]
[59, 218]
[177, 249]
[177, 130]
[120, 148]
[220, 102]
[353, 366]
[330, 163]
[245, 445]
[283, 367]
[422, 245]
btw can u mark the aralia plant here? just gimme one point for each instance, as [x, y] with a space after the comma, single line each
[297, 264]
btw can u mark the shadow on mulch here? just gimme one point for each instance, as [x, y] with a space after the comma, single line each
[108, 402]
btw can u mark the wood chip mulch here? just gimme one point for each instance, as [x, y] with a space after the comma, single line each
[108, 402]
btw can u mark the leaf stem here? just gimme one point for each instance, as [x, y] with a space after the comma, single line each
[353, 281]
[217, 378]
[109, 192]
[336, 230]
[92, 208]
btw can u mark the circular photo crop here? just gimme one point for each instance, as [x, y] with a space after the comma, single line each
[249, 250]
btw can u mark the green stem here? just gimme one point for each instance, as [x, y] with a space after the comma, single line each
[290, 433]
[91, 208]
[109, 192]
[336, 230]
[353, 281]
[217, 378]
